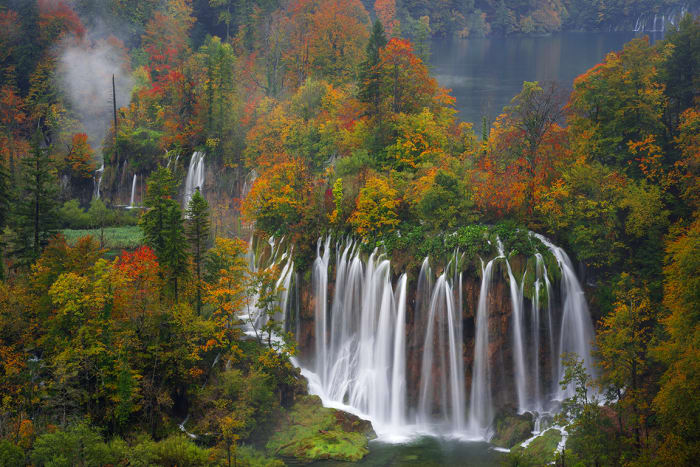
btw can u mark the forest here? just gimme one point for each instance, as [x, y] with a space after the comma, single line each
[127, 283]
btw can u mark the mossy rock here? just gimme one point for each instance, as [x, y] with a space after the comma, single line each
[309, 432]
[511, 428]
[541, 450]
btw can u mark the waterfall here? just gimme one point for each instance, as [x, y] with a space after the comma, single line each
[659, 21]
[576, 332]
[133, 192]
[98, 180]
[480, 406]
[195, 177]
[442, 335]
[362, 344]
[516, 298]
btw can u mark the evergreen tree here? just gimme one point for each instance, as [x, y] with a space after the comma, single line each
[197, 231]
[175, 257]
[370, 76]
[4, 210]
[35, 217]
[160, 191]
[163, 227]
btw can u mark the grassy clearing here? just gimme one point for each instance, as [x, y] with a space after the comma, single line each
[115, 238]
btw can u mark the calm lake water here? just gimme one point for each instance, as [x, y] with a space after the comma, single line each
[485, 73]
[426, 452]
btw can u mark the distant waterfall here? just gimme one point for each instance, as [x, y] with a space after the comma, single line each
[98, 180]
[195, 177]
[133, 192]
[661, 20]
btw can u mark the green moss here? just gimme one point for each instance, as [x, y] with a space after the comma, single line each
[541, 450]
[309, 432]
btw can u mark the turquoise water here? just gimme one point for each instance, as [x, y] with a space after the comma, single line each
[427, 452]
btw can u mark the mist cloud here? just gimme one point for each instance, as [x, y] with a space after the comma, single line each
[85, 72]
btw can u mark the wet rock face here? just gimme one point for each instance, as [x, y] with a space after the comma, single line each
[511, 428]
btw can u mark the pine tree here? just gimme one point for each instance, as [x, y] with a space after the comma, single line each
[163, 227]
[160, 191]
[197, 231]
[370, 78]
[175, 256]
[35, 216]
[4, 209]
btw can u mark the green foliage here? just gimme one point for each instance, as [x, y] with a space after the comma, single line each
[80, 444]
[540, 451]
[10, 454]
[72, 215]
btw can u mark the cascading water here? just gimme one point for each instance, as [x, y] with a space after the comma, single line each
[133, 192]
[366, 334]
[442, 359]
[576, 333]
[480, 405]
[195, 177]
[516, 297]
[98, 180]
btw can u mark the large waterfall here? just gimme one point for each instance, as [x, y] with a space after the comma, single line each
[195, 177]
[133, 192]
[398, 354]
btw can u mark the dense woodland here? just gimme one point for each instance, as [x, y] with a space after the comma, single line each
[330, 103]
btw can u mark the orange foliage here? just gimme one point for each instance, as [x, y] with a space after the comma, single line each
[386, 12]
[79, 158]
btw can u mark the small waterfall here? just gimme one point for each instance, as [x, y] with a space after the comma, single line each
[98, 180]
[480, 406]
[576, 333]
[133, 192]
[195, 177]
[660, 20]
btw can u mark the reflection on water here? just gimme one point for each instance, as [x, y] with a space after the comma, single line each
[485, 73]
[427, 452]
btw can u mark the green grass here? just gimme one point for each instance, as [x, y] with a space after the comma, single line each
[115, 238]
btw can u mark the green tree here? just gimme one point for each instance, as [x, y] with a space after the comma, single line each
[163, 227]
[175, 256]
[370, 75]
[225, 15]
[197, 227]
[587, 440]
[160, 191]
[35, 218]
[99, 214]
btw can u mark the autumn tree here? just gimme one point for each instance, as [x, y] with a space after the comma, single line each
[623, 349]
[376, 209]
[676, 402]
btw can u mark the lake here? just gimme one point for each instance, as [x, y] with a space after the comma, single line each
[485, 73]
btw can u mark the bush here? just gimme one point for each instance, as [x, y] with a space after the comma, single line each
[10, 454]
[78, 445]
[73, 216]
